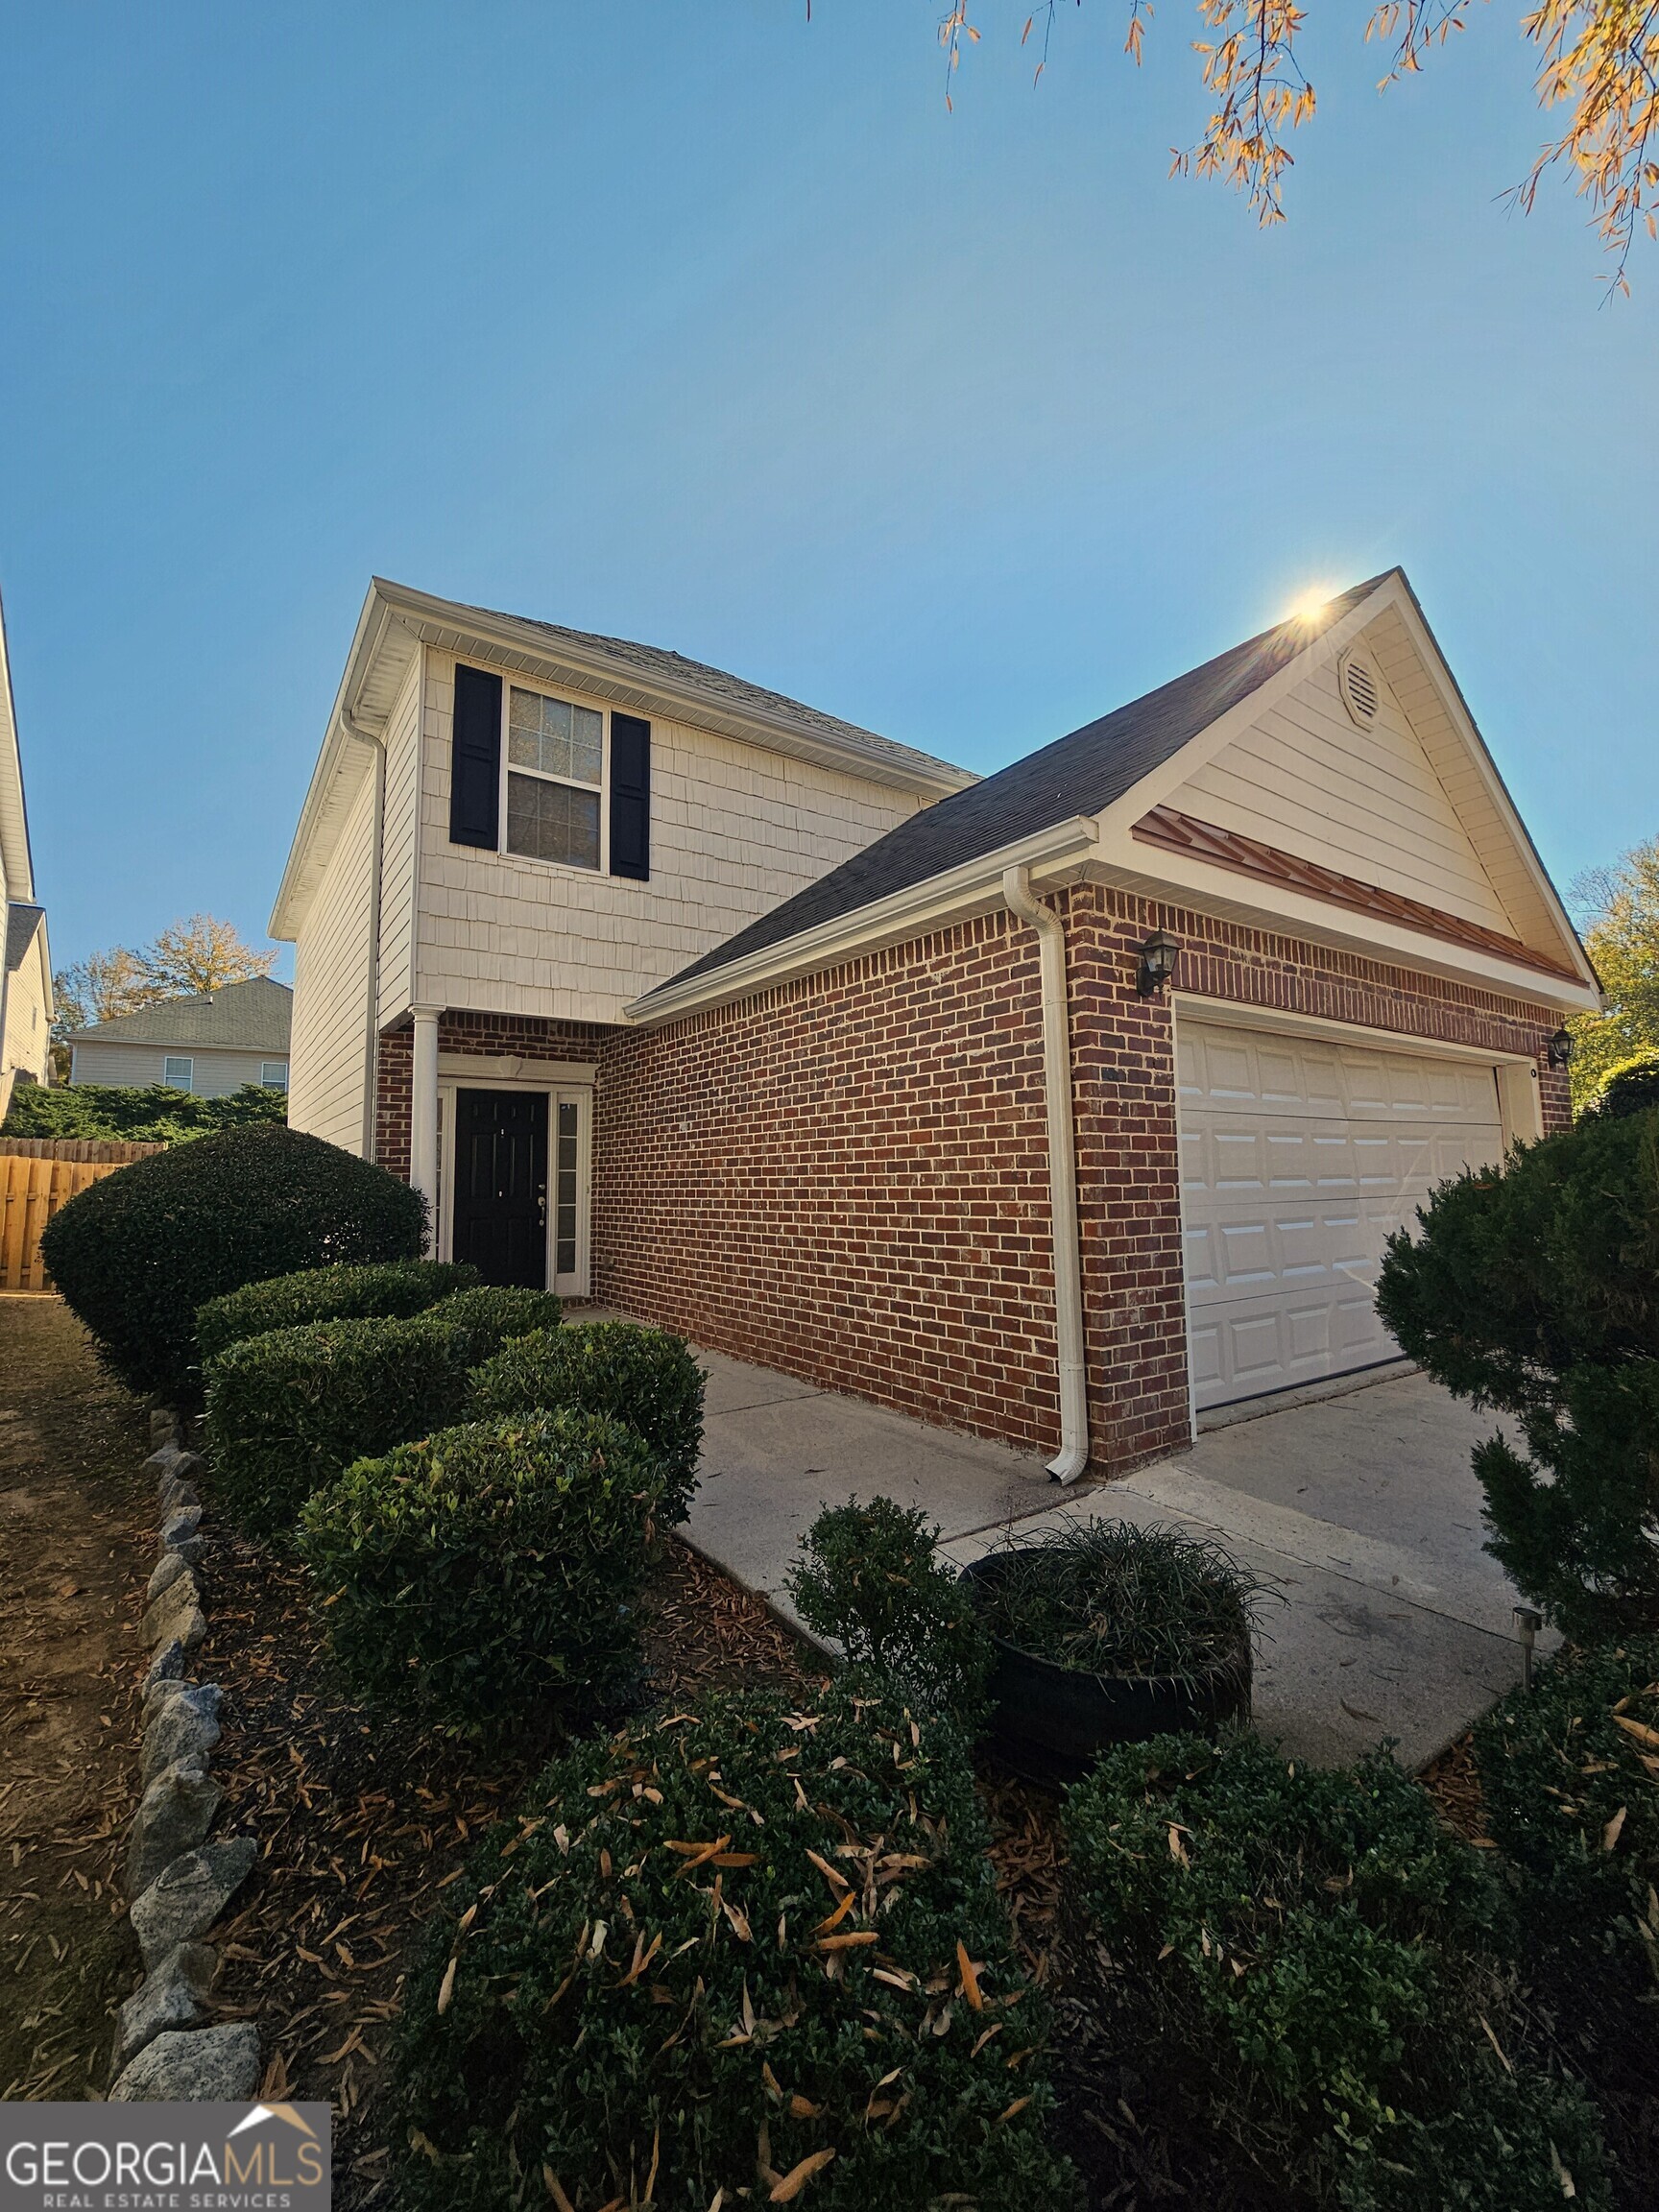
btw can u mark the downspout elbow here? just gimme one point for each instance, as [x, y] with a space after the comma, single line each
[1072, 1457]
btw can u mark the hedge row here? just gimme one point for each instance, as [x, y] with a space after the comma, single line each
[394, 1290]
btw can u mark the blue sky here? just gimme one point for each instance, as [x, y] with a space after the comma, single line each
[707, 326]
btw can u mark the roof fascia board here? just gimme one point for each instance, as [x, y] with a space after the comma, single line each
[1119, 861]
[1456, 709]
[16, 862]
[913, 912]
[686, 702]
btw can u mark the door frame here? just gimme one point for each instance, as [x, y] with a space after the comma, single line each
[556, 1081]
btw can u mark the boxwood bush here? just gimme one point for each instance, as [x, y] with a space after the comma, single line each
[869, 1577]
[393, 1291]
[1536, 1290]
[738, 1952]
[136, 1253]
[643, 1376]
[286, 1411]
[490, 1569]
[494, 1313]
[1306, 1965]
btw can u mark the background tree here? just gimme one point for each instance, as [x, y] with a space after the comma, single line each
[1616, 909]
[199, 955]
[1597, 76]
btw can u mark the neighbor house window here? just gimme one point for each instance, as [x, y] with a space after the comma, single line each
[555, 768]
[177, 1075]
[274, 1074]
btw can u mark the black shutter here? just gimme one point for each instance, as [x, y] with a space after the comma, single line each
[475, 761]
[629, 797]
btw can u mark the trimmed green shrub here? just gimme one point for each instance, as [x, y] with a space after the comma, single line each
[138, 1251]
[644, 1377]
[494, 1313]
[286, 1411]
[392, 1292]
[738, 1948]
[1110, 1597]
[489, 1569]
[154, 1114]
[1306, 1964]
[868, 1576]
[1536, 1290]
[1570, 1776]
[1632, 1087]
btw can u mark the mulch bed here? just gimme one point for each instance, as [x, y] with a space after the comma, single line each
[363, 1822]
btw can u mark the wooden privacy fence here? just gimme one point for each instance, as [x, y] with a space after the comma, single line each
[39, 1175]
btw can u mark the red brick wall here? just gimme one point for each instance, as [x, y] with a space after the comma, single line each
[847, 1177]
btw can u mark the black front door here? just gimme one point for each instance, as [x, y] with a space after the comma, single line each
[499, 1220]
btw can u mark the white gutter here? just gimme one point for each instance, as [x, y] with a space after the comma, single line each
[377, 847]
[1074, 1453]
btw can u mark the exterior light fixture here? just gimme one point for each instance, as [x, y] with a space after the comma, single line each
[1558, 1052]
[1158, 957]
[1529, 1620]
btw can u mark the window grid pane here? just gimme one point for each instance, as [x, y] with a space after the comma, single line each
[176, 1074]
[274, 1074]
[552, 822]
[564, 1190]
[555, 738]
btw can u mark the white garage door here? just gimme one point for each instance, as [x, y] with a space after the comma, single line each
[1297, 1159]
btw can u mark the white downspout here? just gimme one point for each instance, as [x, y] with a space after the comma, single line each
[1074, 1453]
[377, 864]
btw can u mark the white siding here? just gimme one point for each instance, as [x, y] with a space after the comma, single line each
[735, 829]
[330, 991]
[1367, 803]
[215, 1071]
[397, 854]
[28, 1038]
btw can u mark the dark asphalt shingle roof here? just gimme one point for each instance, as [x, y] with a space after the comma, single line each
[1079, 774]
[716, 684]
[253, 1016]
[21, 923]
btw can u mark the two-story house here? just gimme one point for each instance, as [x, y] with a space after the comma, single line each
[26, 973]
[1057, 1106]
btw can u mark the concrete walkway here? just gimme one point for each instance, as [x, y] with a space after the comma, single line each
[1359, 1513]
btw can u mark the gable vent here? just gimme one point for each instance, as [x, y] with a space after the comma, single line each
[1362, 693]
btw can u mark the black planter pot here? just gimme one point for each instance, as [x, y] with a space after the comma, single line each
[1050, 1723]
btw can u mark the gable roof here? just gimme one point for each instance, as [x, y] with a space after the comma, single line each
[22, 921]
[398, 621]
[252, 1016]
[1079, 774]
[15, 864]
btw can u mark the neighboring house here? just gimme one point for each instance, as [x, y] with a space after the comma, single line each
[211, 1044]
[1060, 1108]
[26, 979]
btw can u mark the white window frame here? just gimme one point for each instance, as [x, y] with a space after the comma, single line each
[185, 1060]
[270, 1082]
[510, 684]
[557, 1089]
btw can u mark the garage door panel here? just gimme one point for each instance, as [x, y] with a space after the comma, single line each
[1299, 1160]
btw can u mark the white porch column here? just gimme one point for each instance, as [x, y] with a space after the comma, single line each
[423, 1116]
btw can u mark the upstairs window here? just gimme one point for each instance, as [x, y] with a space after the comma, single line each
[179, 1074]
[555, 774]
[274, 1074]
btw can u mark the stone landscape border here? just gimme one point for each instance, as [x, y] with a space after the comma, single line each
[176, 1882]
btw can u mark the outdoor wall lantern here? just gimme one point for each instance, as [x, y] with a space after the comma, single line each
[1558, 1052]
[1158, 957]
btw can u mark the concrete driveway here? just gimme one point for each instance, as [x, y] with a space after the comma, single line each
[1359, 1513]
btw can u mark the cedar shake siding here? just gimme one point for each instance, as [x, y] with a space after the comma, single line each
[847, 1177]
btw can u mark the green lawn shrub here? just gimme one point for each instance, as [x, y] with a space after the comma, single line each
[1536, 1290]
[393, 1291]
[494, 1313]
[868, 1576]
[644, 1377]
[136, 1253]
[1569, 1777]
[739, 1953]
[154, 1114]
[287, 1410]
[1632, 1087]
[1304, 1965]
[483, 1574]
